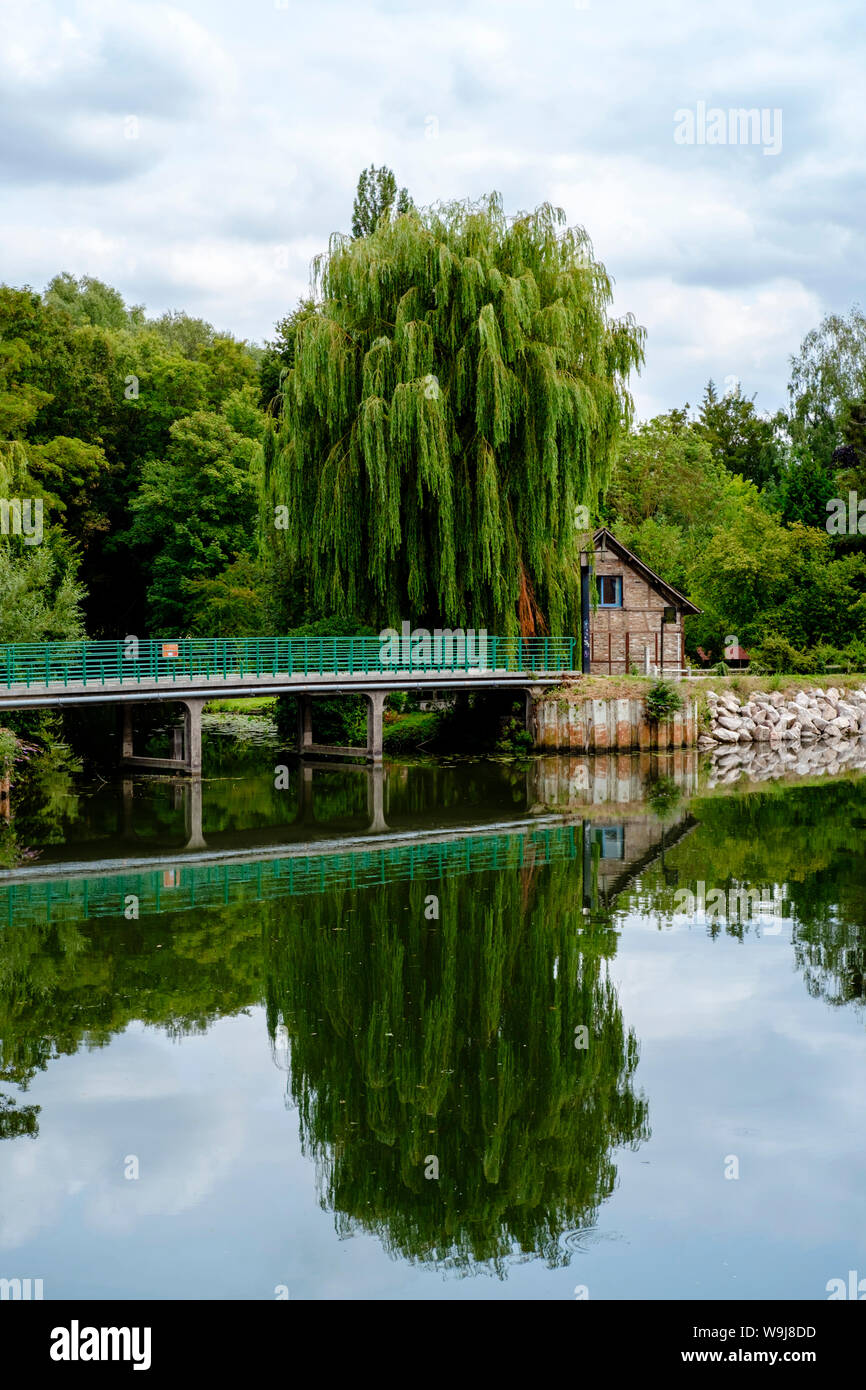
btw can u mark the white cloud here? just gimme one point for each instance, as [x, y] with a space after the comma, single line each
[255, 121]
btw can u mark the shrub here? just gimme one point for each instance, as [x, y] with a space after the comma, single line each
[776, 653]
[663, 700]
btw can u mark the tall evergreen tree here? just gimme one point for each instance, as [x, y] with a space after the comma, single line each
[456, 397]
[741, 440]
[375, 198]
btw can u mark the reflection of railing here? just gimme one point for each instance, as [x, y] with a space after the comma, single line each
[182, 888]
[133, 662]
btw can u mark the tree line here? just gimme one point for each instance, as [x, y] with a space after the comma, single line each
[428, 435]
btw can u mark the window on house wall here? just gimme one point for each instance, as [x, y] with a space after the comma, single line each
[610, 591]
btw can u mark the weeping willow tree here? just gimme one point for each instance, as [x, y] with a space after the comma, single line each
[455, 1039]
[456, 395]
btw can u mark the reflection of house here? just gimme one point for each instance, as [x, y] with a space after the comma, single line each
[616, 854]
[637, 613]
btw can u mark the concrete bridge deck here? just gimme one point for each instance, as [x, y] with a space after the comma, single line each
[191, 671]
[57, 694]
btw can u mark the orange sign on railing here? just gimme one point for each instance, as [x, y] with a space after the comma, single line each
[170, 649]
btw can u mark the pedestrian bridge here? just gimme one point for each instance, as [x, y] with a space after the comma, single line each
[192, 670]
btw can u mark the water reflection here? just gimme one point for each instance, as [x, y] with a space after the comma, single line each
[425, 993]
[444, 1088]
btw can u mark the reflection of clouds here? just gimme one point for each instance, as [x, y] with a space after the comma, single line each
[738, 1059]
[186, 1142]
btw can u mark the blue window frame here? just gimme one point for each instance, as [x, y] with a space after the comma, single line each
[611, 838]
[610, 591]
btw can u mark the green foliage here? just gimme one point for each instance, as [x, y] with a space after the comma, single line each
[829, 371]
[74, 474]
[8, 751]
[514, 737]
[458, 393]
[662, 700]
[92, 389]
[377, 197]
[741, 440]
[194, 513]
[410, 731]
[457, 1038]
[40, 594]
[803, 488]
[88, 301]
[279, 355]
[232, 603]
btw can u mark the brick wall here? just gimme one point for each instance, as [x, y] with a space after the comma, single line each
[618, 636]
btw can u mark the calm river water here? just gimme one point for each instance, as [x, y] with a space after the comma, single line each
[467, 1030]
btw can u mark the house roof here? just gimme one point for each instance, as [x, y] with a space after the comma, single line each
[673, 596]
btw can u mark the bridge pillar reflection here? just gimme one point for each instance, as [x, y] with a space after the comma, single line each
[306, 813]
[192, 814]
[376, 800]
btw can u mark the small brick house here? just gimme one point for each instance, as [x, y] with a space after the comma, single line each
[637, 613]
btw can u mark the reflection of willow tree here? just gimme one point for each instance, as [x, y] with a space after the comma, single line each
[455, 1038]
[805, 840]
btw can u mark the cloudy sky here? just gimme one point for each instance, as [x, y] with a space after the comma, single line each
[197, 155]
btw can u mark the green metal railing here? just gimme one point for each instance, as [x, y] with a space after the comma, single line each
[184, 887]
[135, 661]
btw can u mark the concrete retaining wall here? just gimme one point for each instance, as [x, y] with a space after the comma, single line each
[597, 725]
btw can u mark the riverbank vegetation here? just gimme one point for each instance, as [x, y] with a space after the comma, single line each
[428, 435]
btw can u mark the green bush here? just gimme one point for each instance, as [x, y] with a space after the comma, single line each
[663, 700]
[776, 653]
[514, 737]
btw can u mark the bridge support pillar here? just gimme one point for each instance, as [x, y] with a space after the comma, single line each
[192, 735]
[126, 751]
[531, 696]
[375, 710]
[305, 724]
[185, 742]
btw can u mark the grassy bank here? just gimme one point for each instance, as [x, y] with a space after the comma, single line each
[740, 684]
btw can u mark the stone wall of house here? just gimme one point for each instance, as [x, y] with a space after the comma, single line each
[621, 635]
[587, 726]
